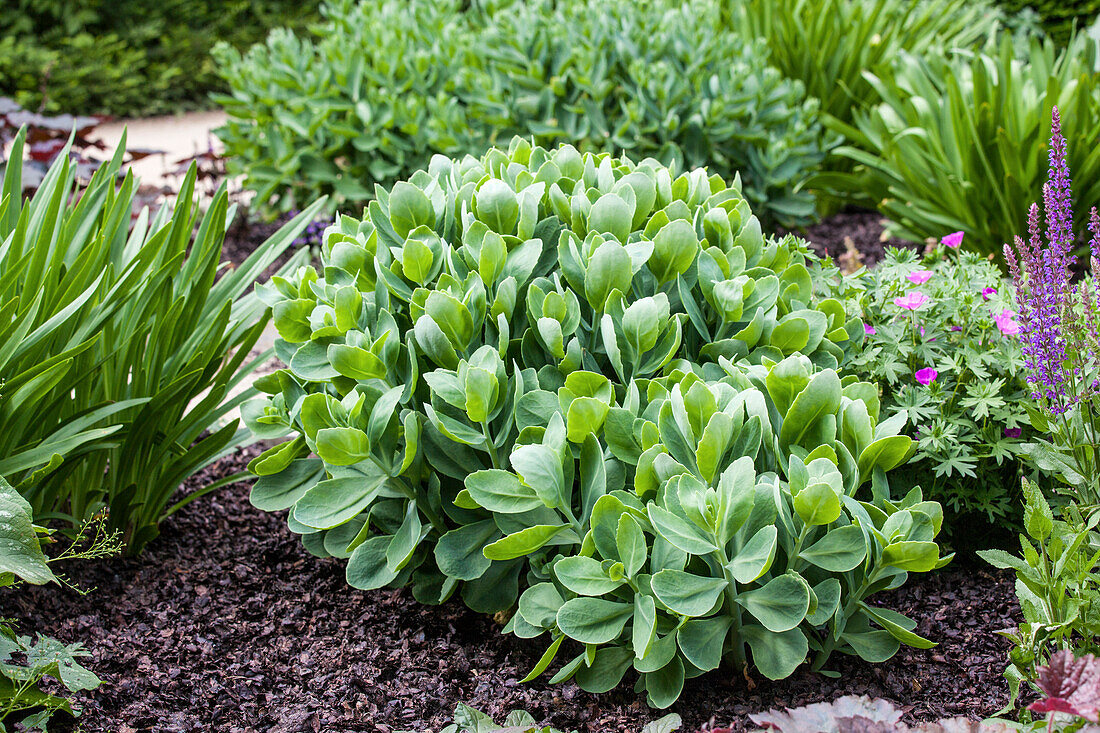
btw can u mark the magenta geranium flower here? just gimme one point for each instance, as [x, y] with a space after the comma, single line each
[920, 277]
[1006, 322]
[926, 376]
[953, 240]
[869, 329]
[988, 293]
[911, 301]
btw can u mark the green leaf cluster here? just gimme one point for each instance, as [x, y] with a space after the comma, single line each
[1058, 17]
[124, 343]
[966, 421]
[692, 565]
[584, 377]
[24, 661]
[468, 720]
[1057, 583]
[386, 85]
[942, 151]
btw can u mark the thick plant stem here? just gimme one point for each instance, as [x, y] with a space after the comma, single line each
[738, 643]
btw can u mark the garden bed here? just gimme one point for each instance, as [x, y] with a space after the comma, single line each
[226, 623]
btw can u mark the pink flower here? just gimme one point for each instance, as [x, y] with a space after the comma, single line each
[926, 376]
[1006, 323]
[953, 240]
[988, 293]
[911, 301]
[869, 329]
[920, 277]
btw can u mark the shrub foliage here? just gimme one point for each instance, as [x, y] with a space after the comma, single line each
[599, 384]
[128, 57]
[386, 85]
[1058, 16]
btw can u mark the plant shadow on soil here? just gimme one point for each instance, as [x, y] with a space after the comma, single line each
[226, 623]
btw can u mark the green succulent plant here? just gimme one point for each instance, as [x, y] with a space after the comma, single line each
[583, 376]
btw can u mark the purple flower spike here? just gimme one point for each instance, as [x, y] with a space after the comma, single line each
[953, 240]
[911, 301]
[926, 376]
[1048, 320]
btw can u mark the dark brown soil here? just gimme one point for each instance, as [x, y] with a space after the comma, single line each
[854, 235]
[246, 234]
[227, 624]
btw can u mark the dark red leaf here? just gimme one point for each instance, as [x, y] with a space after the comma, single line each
[1070, 682]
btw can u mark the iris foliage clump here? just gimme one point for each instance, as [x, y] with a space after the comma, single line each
[597, 389]
[124, 343]
[955, 142]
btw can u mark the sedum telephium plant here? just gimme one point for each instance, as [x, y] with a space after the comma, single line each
[581, 378]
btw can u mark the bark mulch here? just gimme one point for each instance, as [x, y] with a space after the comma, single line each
[853, 237]
[246, 234]
[227, 624]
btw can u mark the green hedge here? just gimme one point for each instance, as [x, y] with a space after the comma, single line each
[1058, 16]
[128, 57]
[386, 85]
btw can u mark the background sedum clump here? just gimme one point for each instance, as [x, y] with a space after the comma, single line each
[385, 86]
[598, 389]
